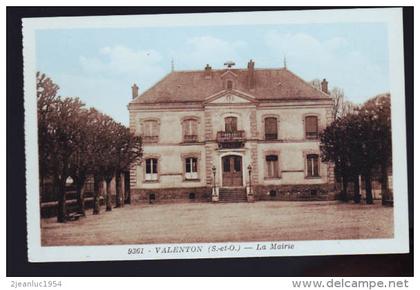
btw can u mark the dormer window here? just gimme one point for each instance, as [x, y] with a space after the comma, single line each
[229, 85]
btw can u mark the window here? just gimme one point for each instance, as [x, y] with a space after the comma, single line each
[150, 131]
[189, 128]
[231, 124]
[229, 85]
[312, 165]
[272, 166]
[151, 169]
[311, 127]
[191, 168]
[270, 126]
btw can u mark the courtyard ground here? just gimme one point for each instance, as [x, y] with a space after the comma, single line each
[207, 222]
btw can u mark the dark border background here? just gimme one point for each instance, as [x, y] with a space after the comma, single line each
[17, 262]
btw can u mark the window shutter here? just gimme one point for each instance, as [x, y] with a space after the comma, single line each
[271, 125]
[194, 127]
[154, 128]
[316, 165]
[185, 128]
[308, 166]
[275, 168]
[311, 125]
[142, 129]
[194, 164]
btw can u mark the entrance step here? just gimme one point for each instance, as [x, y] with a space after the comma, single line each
[232, 194]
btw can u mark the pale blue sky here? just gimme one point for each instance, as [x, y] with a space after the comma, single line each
[100, 65]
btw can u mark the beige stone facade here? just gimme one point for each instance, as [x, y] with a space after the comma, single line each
[231, 135]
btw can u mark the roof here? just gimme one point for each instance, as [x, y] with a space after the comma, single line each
[193, 86]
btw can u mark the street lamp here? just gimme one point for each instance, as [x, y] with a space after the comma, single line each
[249, 172]
[213, 169]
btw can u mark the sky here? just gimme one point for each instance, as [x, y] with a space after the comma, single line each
[100, 65]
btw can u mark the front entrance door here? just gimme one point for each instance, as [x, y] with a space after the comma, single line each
[232, 170]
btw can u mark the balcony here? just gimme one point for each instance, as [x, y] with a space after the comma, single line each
[190, 138]
[234, 139]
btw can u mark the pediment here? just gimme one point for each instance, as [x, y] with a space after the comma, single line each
[229, 73]
[230, 97]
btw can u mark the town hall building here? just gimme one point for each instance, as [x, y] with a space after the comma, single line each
[231, 135]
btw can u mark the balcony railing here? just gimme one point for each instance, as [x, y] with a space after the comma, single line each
[190, 138]
[234, 139]
[150, 139]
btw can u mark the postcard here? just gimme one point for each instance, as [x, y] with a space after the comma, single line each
[215, 135]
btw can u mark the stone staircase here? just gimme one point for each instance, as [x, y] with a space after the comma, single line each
[235, 194]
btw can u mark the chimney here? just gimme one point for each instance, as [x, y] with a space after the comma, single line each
[207, 72]
[251, 75]
[324, 86]
[135, 91]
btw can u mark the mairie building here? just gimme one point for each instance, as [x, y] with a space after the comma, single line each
[231, 134]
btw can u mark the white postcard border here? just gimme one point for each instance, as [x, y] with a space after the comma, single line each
[400, 242]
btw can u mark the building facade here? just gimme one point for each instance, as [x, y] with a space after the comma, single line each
[231, 135]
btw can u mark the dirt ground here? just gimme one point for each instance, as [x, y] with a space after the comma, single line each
[207, 222]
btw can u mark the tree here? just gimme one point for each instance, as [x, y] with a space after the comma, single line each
[76, 141]
[58, 135]
[377, 112]
[47, 96]
[341, 107]
[128, 150]
[358, 143]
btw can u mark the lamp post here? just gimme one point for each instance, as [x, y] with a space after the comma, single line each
[214, 191]
[213, 169]
[250, 196]
[249, 172]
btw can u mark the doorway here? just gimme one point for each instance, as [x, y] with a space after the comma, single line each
[232, 170]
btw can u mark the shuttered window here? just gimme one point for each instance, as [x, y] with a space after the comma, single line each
[190, 130]
[270, 125]
[231, 124]
[312, 165]
[150, 131]
[311, 127]
[272, 166]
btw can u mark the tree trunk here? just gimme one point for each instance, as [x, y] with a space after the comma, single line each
[344, 191]
[97, 188]
[356, 197]
[60, 187]
[368, 187]
[108, 200]
[80, 187]
[119, 201]
[127, 191]
[384, 183]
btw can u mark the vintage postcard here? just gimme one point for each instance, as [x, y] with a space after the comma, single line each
[214, 135]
